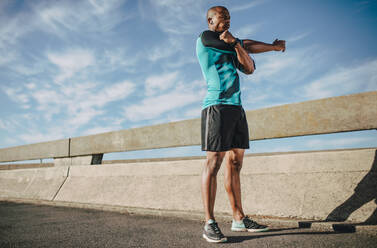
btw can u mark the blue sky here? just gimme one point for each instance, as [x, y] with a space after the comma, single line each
[73, 68]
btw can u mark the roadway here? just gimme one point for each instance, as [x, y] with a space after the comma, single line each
[28, 225]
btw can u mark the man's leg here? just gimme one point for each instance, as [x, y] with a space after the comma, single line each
[234, 159]
[209, 182]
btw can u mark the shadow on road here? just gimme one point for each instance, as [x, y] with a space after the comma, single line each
[364, 192]
[239, 239]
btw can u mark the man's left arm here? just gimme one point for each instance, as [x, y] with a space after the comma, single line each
[252, 46]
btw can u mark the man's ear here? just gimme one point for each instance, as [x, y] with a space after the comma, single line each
[210, 20]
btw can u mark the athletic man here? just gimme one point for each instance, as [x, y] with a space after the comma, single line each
[224, 125]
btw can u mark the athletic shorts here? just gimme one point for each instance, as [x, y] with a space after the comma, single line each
[224, 127]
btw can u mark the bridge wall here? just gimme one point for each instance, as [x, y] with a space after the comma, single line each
[310, 185]
[37, 184]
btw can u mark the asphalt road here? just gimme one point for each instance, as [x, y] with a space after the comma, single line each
[27, 225]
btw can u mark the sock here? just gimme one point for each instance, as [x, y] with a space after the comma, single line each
[210, 221]
[238, 221]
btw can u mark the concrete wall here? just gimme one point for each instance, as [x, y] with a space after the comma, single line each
[38, 184]
[335, 114]
[306, 185]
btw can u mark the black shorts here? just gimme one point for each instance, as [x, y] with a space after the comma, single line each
[224, 127]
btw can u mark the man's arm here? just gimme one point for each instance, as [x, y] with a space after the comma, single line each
[252, 46]
[242, 55]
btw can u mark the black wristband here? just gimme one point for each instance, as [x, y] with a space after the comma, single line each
[235, 43]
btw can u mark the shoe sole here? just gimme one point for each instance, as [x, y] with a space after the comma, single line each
[213, 240]
[249, 230]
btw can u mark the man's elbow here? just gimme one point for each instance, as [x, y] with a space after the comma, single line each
[249, 70]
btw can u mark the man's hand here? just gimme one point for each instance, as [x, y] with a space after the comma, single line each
[279, 45]
[227, 37]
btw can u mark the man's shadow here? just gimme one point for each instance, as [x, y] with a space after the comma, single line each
[365, 192]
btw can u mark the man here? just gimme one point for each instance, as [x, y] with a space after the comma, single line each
[224, 125]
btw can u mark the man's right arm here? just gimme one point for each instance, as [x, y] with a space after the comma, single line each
[243, 57]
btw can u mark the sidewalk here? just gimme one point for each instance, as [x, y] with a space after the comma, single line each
[28, 225]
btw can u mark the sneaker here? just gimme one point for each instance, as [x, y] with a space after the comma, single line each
[247, 225]
[212, 232]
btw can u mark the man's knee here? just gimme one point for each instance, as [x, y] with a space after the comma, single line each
[235, 163]
[213, 162]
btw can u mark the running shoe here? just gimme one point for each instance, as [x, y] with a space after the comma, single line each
[212, 232]
[247, 225]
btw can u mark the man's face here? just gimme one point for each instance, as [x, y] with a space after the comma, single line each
[220, 21]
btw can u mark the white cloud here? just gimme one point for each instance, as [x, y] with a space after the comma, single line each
[297, 37]
[71, 62]
[76, 16]
[35, 136]
[257, 98]
[63, 19]
[30, 86]
[45, 97]
[344, 80]
[7, 56]
[16, 95]
[115, 92]
[101, 129]
[158, 83]
[82, 117]
[247, 31]
[2, 125]
[155, 106]
[73, 107]
[78, 104]
[181, 61]
[286, 68]
[11, 124]
[120, 58]
[103, 6]
[245, 6]
[278, 76]
[165, 49]
[15, 27]
[193, 113]
[175, 17]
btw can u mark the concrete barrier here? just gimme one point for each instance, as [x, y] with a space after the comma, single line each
[24, 166]
[330, 115]
[174, 134]
[37, 184]
[323, 116]
[50, 149]
[313, 185]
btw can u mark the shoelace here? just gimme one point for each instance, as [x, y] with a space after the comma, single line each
[250, 223]
[215, 228]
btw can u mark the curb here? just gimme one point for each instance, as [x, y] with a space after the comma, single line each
[273, 222]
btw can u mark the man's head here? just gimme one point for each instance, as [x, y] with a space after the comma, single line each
[218, 19]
